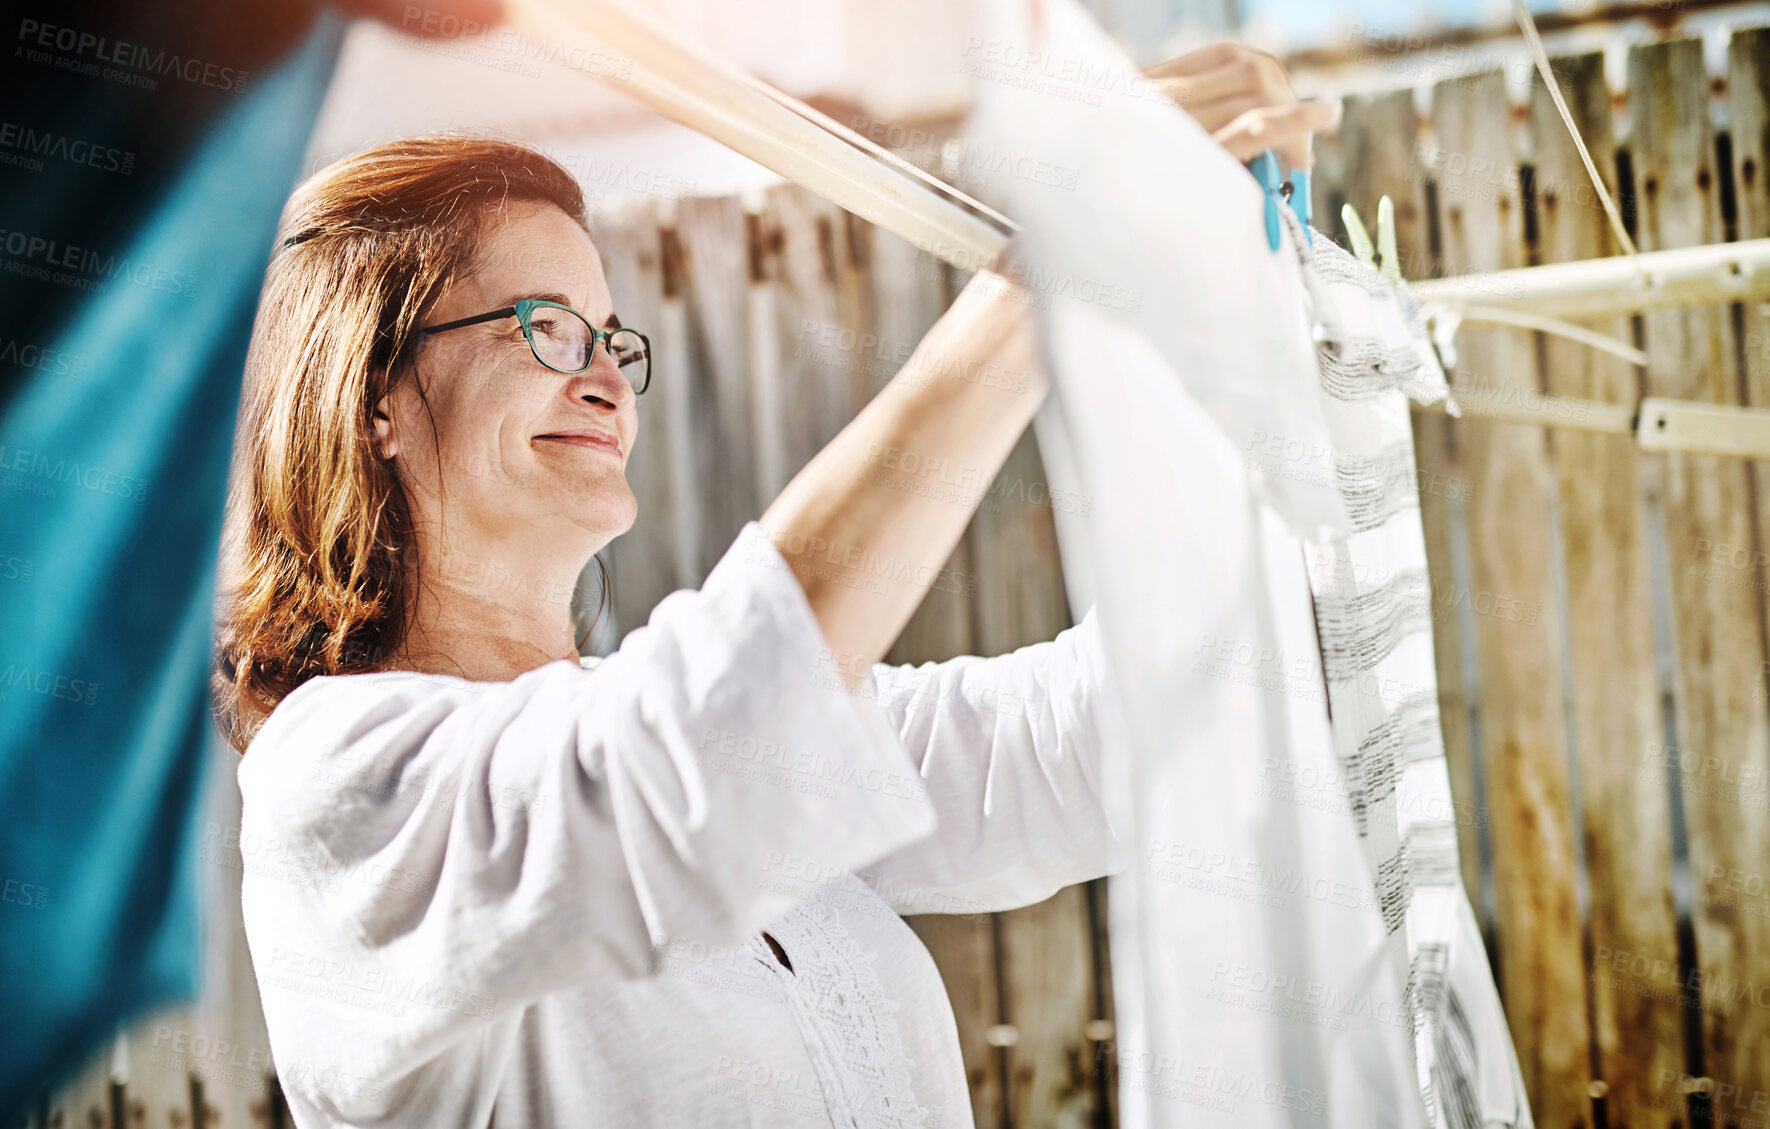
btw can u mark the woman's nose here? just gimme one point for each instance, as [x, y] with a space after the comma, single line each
[602, 382]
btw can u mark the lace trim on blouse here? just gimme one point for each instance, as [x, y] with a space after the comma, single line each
[849, 1023]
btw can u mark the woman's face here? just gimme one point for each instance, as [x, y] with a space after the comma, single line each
[525, 451]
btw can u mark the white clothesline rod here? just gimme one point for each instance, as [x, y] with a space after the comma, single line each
[1523, 319]
[1713, 274]
[709, 95]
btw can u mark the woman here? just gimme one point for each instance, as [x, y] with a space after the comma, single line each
[661, 888]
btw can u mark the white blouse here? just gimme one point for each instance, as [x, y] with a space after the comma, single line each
[549, 895]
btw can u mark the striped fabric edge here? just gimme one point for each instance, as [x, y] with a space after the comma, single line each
[1360, 629]
[1377, 487]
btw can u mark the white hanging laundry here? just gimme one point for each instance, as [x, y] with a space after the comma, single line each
[1264, 941]
[1159, 230]
[1373, 610]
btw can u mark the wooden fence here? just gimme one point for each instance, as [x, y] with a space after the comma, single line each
[1601, 619]
[1601, 614]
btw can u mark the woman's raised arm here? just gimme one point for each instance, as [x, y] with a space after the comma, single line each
[875, 515]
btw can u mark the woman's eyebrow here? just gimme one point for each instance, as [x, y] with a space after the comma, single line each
[548, 297]
[613, 321]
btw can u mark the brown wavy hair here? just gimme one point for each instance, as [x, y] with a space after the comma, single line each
[312, 580]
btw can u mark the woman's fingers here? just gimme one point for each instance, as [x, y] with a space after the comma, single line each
[1204, 59]
[1243, 98]
[1285, 128]
[1218, 115]
[1240, 77]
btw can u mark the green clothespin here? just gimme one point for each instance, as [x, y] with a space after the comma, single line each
[1390, 264]
[1361, 239]
[1386, 240]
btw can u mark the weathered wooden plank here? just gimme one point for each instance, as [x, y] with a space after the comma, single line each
[910, 291]
[1627, 815]
[813, 382]
[1328, 180]
[1047, 949]
[642, 566]
[762, 244]
[1102, 1030]
[963, 946]
[712, 231]
[1541, 964]
[1722, 729]
[679, 401]
[1748, 100]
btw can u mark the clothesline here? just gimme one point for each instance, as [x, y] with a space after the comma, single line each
[1713, 274]
[705, 93]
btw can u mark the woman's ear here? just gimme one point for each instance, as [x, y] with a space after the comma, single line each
[386, 440]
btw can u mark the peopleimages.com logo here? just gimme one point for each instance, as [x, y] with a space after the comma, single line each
[37, 256]
[36, 473]
[104, 57]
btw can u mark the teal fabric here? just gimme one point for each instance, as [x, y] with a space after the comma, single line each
[115, 439]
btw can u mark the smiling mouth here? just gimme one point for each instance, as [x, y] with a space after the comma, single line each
[585, 439]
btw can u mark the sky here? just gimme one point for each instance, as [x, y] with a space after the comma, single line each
[1311, 22]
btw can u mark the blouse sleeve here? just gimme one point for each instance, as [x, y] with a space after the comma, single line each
[453, 850]
[1009, 751]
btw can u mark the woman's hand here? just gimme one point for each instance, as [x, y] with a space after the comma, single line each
[1244, 98]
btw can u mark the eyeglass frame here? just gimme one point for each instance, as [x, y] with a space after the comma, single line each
[525, 308]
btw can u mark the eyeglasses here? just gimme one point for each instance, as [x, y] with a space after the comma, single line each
[564, 340]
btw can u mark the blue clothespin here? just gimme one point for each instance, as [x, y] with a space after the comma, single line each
[1300, 202]
[1265, 170]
